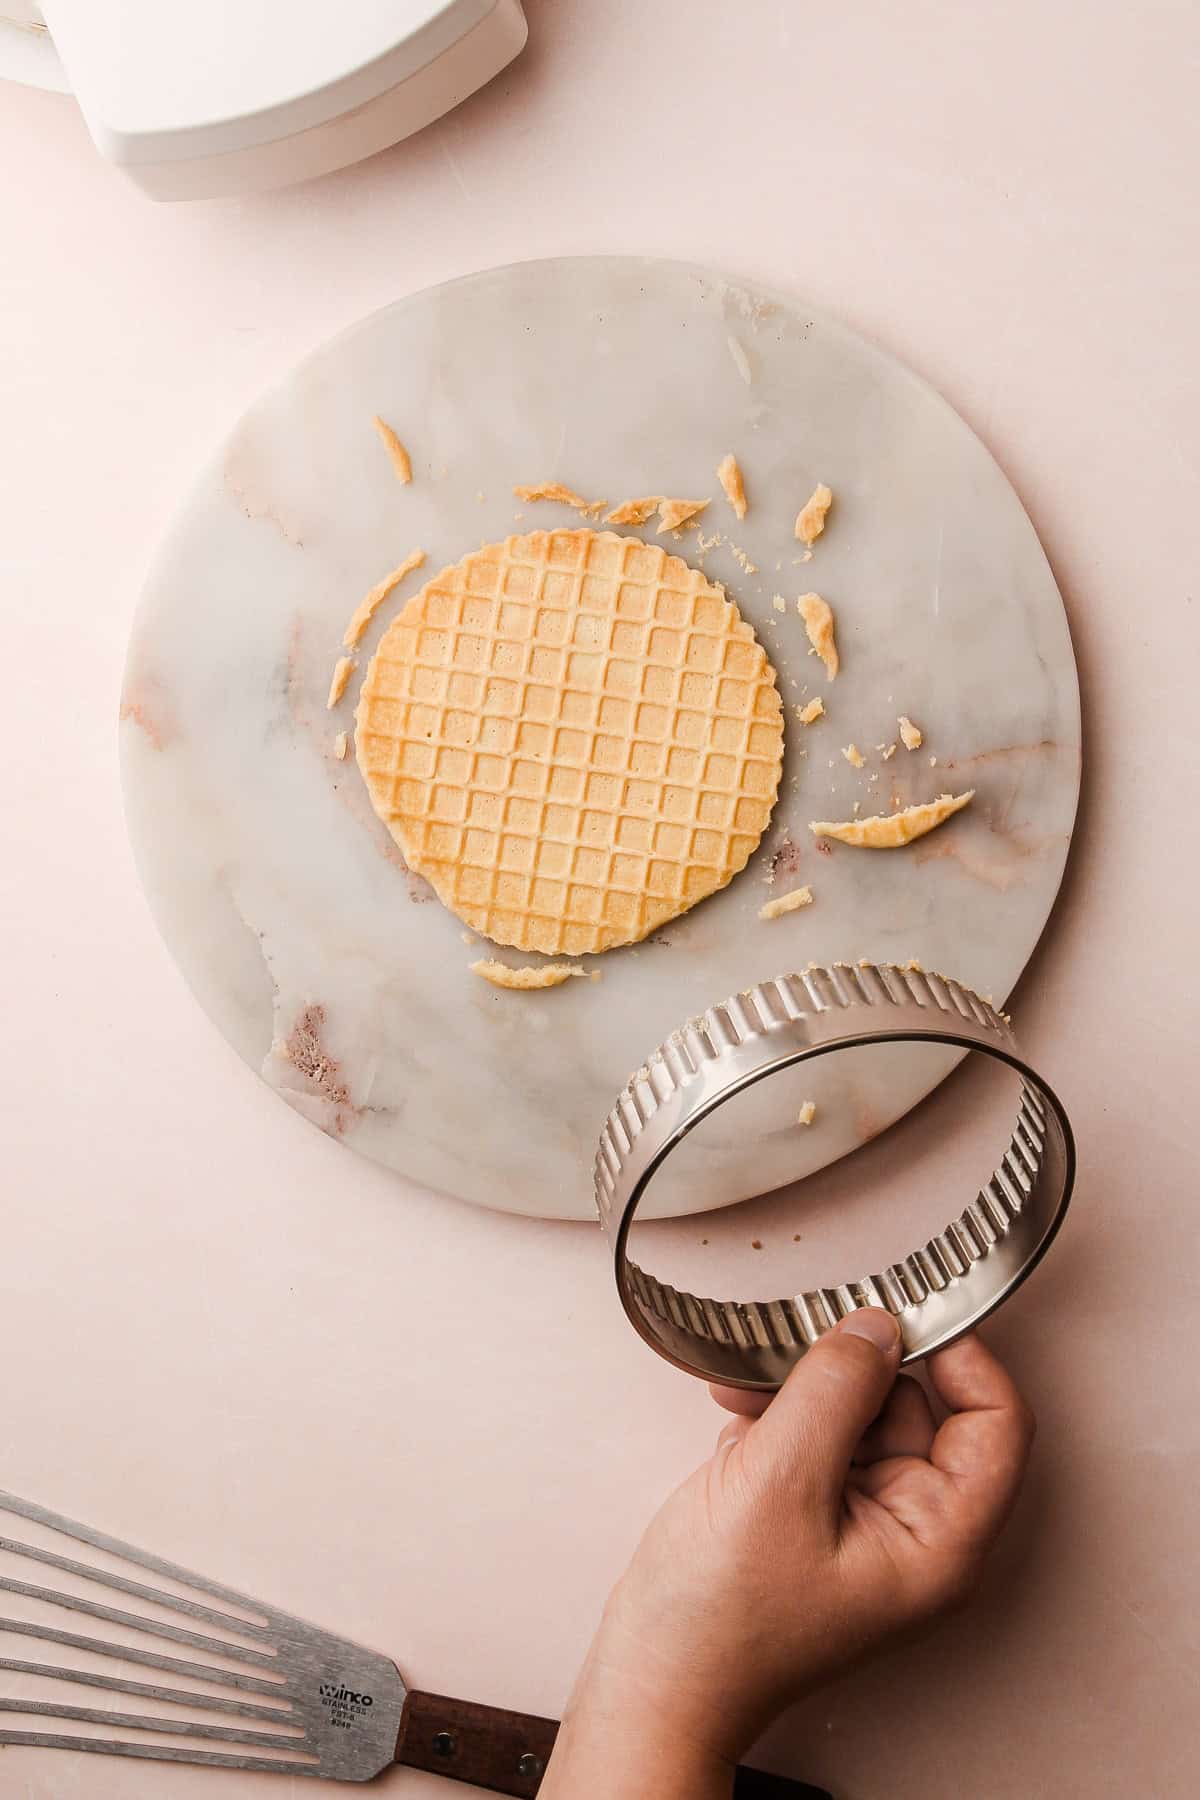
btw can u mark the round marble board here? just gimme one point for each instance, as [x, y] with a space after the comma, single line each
[333, 970]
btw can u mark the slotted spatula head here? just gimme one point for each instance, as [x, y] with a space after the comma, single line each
[207, 1675]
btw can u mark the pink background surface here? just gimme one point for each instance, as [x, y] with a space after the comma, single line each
[427, 1426]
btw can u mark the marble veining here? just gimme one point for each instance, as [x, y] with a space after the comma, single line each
[332, 968]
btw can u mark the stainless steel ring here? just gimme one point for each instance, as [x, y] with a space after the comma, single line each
[939, 1291]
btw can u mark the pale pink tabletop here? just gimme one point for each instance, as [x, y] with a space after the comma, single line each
[224, 1337]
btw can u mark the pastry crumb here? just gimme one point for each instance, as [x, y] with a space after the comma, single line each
[342, 670]
[779, 603]
[912, 967]
[740, 556]
[674, 513]
[365, 611]
[786, 903]
[891, 831]
[810, 520]
[565, 496]
[633, 512]
[341, 745]
[889, 752]
[854, 756]
[933, 762]
[401, 461]
[733, 484]
[526, 979]
[813, 711]
[818, 622]
[911, 735]
[805, 1116]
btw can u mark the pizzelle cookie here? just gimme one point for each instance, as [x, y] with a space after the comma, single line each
[573, 736]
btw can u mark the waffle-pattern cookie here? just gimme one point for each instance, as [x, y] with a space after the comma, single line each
[573, 736]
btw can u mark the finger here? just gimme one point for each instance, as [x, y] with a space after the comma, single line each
[983, 1446]
[748, 1401]
[733, 1433]
[905, 1427]
[809, 1432]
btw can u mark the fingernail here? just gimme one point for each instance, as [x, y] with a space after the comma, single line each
[873, 1323]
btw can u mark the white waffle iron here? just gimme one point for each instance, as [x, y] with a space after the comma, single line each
[225, 96]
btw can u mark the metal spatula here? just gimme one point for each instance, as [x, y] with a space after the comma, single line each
[240, 1685]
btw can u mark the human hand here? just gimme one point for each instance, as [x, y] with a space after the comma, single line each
[838, 1517]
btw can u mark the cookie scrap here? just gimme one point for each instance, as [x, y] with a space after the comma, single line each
[891, 831]
[554, 490]
[810, 520]
[854, 756]
[815, 709]
[401, 461]
[818, 622]
[911, 735]
[730, 477]
[807, 1113]
[634, 512]
[343, 668]
[524, 980]
[366, 609]
[674, 513]
[786, 903]
[341, 745]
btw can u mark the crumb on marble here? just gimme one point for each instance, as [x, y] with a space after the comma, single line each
[676, 513]
[366, 609]
[633, 512]
[810, 520]
[400, 459]
[343, 668]
[786, 903]
[565, 496]
[911, 735]
[733, 483]
[818, 623]
[525, 980]
[893, 830]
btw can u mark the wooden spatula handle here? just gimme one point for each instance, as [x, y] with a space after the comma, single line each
[507, 1752]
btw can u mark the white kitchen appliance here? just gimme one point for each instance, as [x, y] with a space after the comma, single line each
[218, 97]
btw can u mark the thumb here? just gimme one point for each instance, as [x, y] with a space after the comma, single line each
[809, 1432]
